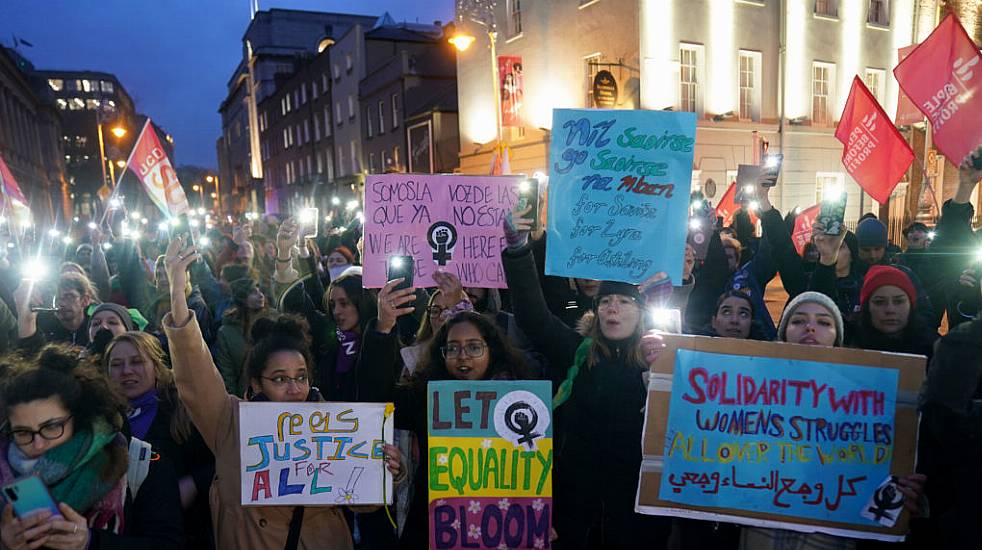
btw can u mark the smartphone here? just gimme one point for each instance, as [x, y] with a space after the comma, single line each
[185, 229]
[701, 226]
[746, 181]
[400, 267]
[528, 195]
[666, 320]
[28, 495]
[307, 222]
[832, 213]
[771, 169]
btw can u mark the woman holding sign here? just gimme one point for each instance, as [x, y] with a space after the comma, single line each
[279, 369]
[600, 377]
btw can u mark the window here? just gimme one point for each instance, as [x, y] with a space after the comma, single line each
[337, 72]
[286, 138]
[110, 105]
[381, 117]
[876, 82]
[337, 113]
[341, 161]
[296, 99]
[348, 62]
[299, 135]
[107, 87]
[92, 104]
[327, 121]
[74, 85]
[690, 77]
[879, 13]
[310, 165]
[825, 181]
[300, 167]
[317, 128]
[313, 90]
[828, 8]
[289, 107]
[354, 158]
[76, 104]
[351, 106]
[283, 106]
[395, 110]
[823, 82]
[306, 131]
[750, 86]
[87, 86]
[371, 164]
[368, 120]
[514, 17]
[329, 161]
[320, 163]
[62, 104]
[395, 156]
[324, 81]
[303, 94]
[56, 84]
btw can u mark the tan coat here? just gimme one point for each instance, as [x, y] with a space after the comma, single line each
[216, 415]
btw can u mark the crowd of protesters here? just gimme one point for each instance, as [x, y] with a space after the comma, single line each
[150, 342]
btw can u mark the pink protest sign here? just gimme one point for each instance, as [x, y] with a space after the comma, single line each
[943, 76]
[453, 223]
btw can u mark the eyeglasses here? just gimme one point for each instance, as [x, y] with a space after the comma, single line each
[281, 381]
[50, 431]
[435, 311]
[472, 349]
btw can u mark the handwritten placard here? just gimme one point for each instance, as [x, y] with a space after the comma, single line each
[490, 464]
[619, 193]
[314, 453]
[452, 223]
[777, 435]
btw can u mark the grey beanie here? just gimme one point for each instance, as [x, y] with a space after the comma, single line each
[120, 312]
[806, 298]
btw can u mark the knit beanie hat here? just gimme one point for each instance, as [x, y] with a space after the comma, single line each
[811, 298]
[120, 311]
[346, 252]
[871, 232]
[616, 287]
[884, 275]
[241, 288]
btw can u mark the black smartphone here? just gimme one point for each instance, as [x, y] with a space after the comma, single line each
[832, 214]
[771, 169]
[400, 267]
[701, 228]
[746, 183]
[528, 195]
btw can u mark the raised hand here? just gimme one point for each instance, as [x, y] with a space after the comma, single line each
[517, 227]
[827, 245]
[286, 238]
[450, 286]
[390, 304]
[176, 261]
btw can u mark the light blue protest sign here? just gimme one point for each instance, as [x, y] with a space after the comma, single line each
[619, 193]
[780, 436]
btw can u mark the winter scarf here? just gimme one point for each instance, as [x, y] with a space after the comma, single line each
[347, 351]
[143, 410]
[75, 473]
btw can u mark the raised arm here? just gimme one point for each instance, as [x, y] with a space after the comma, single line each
[198, 381]
[99, 269]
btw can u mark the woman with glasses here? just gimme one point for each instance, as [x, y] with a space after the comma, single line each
[279, 368]
[600, 376]
[63, 426]
[466, 347]
[137, 364]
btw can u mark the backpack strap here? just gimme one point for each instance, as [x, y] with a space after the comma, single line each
[296, 521]
[139, 465]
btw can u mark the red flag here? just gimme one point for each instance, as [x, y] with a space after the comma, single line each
[803, 227]
[907, 111]
[727, 205]
[150, 163]
[8, 186]
[943, 77]
[875, 153]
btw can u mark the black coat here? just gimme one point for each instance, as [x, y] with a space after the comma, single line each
[604, 416]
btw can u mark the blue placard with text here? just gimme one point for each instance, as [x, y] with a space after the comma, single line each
[778, 436]
[619, 186]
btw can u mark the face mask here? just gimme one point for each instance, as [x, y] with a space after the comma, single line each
[337, 270]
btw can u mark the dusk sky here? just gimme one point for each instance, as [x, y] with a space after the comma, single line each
[173, 57]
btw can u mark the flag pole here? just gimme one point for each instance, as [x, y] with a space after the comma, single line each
[122, 172]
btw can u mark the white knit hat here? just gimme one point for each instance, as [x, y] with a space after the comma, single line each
[816, 298]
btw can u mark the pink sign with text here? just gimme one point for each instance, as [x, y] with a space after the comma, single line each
[453, 223]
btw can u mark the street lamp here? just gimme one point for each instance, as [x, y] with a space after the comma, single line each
[118, 131]
[481, 12]
[218, 193]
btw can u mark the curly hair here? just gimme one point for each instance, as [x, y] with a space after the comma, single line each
[504, 360]
[271, 335]
[149, 346]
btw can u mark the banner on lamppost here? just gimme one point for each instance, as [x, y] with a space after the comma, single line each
[510, 77]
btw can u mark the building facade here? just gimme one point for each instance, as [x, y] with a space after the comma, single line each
[408, 99]
[779, 70]
[270, 48]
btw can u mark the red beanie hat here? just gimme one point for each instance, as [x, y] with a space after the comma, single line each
[346, 252]
[884, 275]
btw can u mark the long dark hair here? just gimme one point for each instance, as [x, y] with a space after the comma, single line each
[363, 299]
[504, 360]
[914, 338]
[272, 335]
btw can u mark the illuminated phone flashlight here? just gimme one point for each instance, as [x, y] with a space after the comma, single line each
[136, 235]
[696, 204]
[34, 270]
[175, 222]
[771, 162]
[668, 320]
[53, 233]
[524, 186]
[115, 203]
[66, 239]
[124, 231]
[335, 201]
[75, 219]
[396, 262]
[134, 216]
[833, 193]
[92, 225]
[250, 216]
[144, 221]
[932, 234]
[163, 226]
[307, 216]
[360, 216]
[107, 246]
[978, 256]
[748, 189]
[352, 204]
[695, 224]
[753, 206]
[194, 222]
[205, 241]
[201, 211]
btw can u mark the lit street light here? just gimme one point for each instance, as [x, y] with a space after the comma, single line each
[118, 131]
[482, 13]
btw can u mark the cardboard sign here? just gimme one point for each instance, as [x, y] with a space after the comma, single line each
[803, 223]
[490, 464]
[300, 454]
[780, 436]
[453, 223]
[943, 76]
[619, 193]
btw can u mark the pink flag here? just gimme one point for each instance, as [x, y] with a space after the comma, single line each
[150, 163]
[943, 77]
[803, 227]
[907, 112]
[875, 153]
[8, 186]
